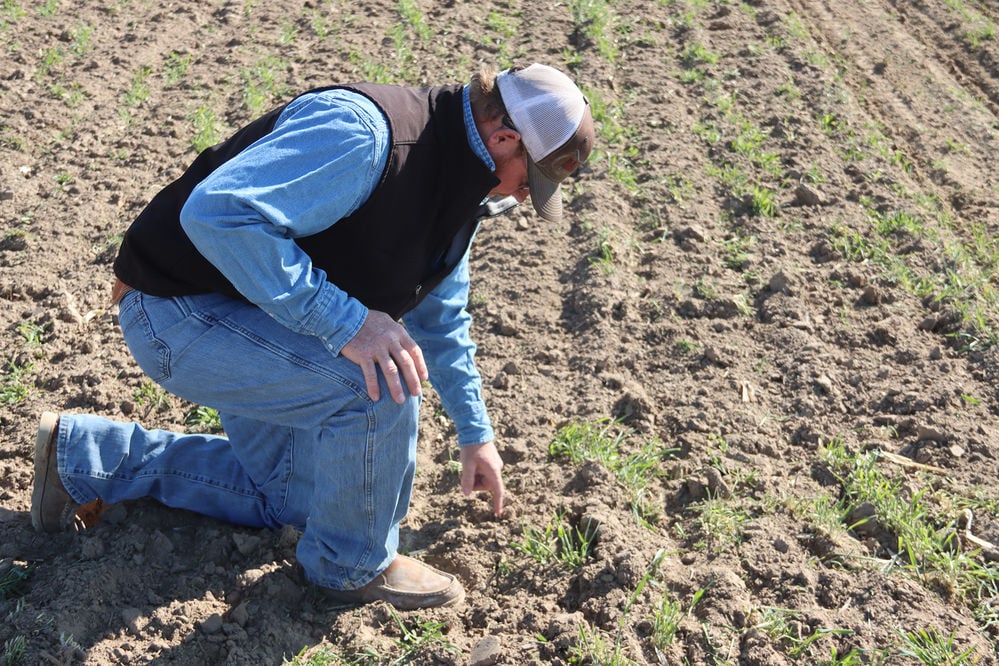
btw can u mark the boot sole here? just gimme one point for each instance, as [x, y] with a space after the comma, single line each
[43, 453]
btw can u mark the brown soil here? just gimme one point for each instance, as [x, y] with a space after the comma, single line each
[637, 308]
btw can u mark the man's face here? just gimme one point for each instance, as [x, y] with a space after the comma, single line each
[512, 172]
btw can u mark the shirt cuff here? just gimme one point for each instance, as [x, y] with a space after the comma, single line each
[473, 425]
[337, 317]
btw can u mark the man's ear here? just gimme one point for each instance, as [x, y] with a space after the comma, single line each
[501, 135]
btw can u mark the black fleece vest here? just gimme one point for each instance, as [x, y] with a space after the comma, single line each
[388, 254]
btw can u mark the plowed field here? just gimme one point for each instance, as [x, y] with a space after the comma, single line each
[755, 367]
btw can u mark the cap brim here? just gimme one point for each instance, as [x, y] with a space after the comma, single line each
[546, 195]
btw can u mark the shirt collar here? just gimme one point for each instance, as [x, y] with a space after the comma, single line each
[474, 140]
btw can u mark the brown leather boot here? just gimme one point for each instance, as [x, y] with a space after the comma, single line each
[407, 584]
[52, 509]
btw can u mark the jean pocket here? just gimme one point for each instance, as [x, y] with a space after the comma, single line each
[152, 355]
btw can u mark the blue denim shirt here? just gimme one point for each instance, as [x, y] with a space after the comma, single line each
[320, 163]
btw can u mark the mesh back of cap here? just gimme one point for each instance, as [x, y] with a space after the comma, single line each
[545, 106]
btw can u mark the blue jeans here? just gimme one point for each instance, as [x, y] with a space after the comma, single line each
[305, 444]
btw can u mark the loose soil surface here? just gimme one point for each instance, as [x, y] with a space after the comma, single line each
[741, 335]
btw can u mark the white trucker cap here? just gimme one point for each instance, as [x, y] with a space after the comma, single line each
[556, 126]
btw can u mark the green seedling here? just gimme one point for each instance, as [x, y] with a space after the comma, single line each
[593, 648]
[48, 8]
[781, 625]
[557, 542]
[14, 388]
[15, 651]
[13, 580]
[417, 635]
[138, 89]
[262, 84]
[175, 68]
[928, 647]
[203, 419]
[923, 541]
[152, 397]
[412, 16]
[668, 615]
[720, 522]
[83, 36]
[595, 19]
[206, 128]
[33, 333]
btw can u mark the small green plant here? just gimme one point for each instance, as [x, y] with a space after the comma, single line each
[13, 579]
[593, 648]
[504, 27]
[48, 8]
[736, 255]
[603, 255]
[782, 625]
[318, 656]
[32, 332]
[595, 19]
[970, 399]
[206, 130]
[789, 90]
[203, 419]
[11, 11]
[898, 223]
[720, 522]
[557, 542]
[679, 188]
[923, 541]
[69, 645]
[152, 397]
[984, 33]
[685, 346]
[668, 615]
[175, 68]
[289, 31]
[14, 388]
[617, 146]
[692, 75]
[794, 28]
[854, 657]
[15, 651]
[829, 123]
[11, 140]
[325, 23]
[706, 289]
[83, 36]
[697, 54]
[417, 635]
[413, 17]
[602, 442]
[928, 647]
[262, 83]
[729, 175]
[404, 58]
[52, 59]
[63, 180]
[763, 202]
[138, 88]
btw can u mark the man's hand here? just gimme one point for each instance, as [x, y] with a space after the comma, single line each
[384, 342]
[480, 470]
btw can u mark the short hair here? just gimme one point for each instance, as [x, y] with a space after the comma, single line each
[484, 95]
